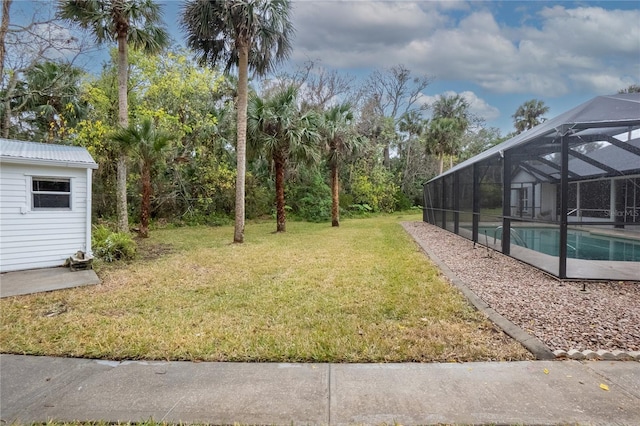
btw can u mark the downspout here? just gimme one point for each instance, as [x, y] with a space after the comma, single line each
[88, 214]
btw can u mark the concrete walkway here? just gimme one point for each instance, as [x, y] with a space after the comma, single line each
[37, 389]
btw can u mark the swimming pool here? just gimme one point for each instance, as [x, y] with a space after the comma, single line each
[580, 244]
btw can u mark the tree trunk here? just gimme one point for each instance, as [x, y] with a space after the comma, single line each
[280, 164]
[241, 148]
[4, 27]
[335, 195]
[6, 118]
[123, 121]
[386, 161]
[145, 206]
[121, 193]
[407, 167]
[9, 90]
[441, 163]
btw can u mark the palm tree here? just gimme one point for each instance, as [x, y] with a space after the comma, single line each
[442, 138]
[529, 114]
[278, 128]
[450, 119]
[245, 34]
[454, 106]
[53, 93]
[127, 22]
[337, 130]
[149, 145]
[414, 125]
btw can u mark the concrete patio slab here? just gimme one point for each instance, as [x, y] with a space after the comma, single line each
[39, 280]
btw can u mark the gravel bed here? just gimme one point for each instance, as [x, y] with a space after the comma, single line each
[606, 316]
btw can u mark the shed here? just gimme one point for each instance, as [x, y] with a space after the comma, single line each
[45, 204]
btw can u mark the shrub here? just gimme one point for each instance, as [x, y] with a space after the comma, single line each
[309, 196]
[111, 246]
[362, 209]
[373, 187]
[402, 201]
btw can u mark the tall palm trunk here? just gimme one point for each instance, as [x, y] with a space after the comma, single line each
[6, 119]
[407, 168]
[123, 121]
[386, 160]
[280, 163]
[145, 207]
[335, 195]
[4, 27]
[241, 149]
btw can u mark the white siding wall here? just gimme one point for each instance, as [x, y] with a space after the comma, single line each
[30, 238]
[548, 199]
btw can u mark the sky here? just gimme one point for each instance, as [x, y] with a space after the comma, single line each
[497, 54]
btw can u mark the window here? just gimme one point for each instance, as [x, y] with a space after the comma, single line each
[595, 198]
[51, 193]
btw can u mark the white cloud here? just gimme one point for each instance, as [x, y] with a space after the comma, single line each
[591, 31]
[602, 82]
[532, 83]
[556, 51]
[479, 107]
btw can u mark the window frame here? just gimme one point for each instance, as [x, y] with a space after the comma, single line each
[33, 193]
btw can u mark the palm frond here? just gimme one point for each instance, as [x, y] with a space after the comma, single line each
[215, 29]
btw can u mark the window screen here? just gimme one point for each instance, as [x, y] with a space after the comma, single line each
[51, 193]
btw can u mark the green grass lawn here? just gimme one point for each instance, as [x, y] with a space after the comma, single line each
[362, 292]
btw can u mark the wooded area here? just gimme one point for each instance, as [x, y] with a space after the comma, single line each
[162, 121]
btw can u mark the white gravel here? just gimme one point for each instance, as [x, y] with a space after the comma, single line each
[606, 316]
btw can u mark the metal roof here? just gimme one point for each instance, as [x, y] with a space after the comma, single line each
[13, 151]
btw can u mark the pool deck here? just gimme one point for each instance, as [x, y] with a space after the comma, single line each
[576, 268]
[580, 268]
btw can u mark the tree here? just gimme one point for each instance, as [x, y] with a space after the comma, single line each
[22, 48]
[149, 145]
[412, 124]
[245, 34]
[442, 136]
[338, 132]
[318, 87]
[53, 95]
[480, 140]
[195, 104]
[450, 120]
[529, 114]
[4, 28]
[453, 106]
[192, 103]
[392, 94]
[633, 88]
[127, 22]
[278, 128]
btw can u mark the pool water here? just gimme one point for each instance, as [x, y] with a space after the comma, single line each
[580, 244]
